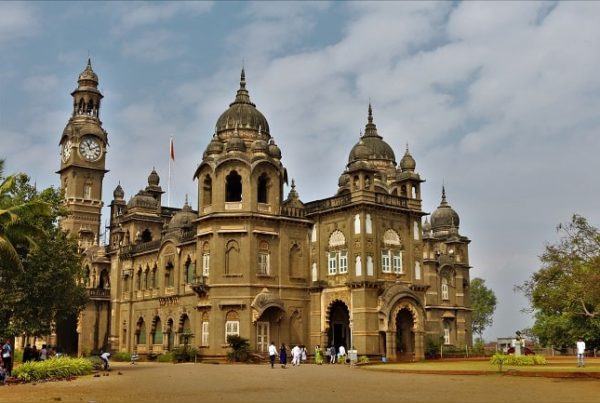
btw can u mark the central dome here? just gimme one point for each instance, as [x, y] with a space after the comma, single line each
[371, 145]
[242, 113]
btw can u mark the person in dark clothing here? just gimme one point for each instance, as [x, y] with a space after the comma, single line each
[27, 353]
[282, 355]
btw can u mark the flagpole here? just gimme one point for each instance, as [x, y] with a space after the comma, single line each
[169, 179]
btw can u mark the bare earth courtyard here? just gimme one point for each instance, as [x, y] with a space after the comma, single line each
[152, 382]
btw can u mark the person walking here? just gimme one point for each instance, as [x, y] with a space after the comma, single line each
[272, 354]
[296, 355]
[332, 354]
[318, 356]
[342, 354]
[283, 355]
[580, 352]
[7, 357]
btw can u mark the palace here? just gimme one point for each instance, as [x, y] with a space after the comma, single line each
[363, 268]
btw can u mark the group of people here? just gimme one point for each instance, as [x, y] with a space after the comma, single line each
[33, 354]
[298, 354]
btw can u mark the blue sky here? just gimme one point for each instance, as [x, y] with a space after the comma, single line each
[498, 100]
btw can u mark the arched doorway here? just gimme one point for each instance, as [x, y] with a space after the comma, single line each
[339, 325]
[268, 329]
[405, 336]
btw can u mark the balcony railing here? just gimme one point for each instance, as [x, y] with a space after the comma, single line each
[99, 293]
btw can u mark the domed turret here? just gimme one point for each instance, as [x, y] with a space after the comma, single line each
[183, 219]
[118, 193]
[215, 146]
[274, 150]
[236, 144]
[153, 178]
[444, 217]
[260, 146]
[407, 163]
[371, 145]
[88, 74]
[242, 113]
[143, 199]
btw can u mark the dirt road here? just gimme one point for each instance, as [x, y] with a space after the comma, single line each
[152, 382]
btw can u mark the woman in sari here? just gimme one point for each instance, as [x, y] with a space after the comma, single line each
[318, 356]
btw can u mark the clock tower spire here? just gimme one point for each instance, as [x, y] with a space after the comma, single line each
[83, 158]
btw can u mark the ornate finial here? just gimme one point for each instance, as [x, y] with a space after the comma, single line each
[89, 61]
[444, 194]
[186, 200]
[293, 183]
[370, 112]
[243, 79]
[407, 152]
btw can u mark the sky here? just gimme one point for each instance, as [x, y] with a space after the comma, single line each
[498, 101]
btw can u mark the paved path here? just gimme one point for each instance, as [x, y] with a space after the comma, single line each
[153, 382]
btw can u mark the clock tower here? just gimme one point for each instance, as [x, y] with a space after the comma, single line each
[83, 158]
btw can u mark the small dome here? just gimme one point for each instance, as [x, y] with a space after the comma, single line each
[426, 226]
[259, 146]
[343, 180]
[444, 216]
[143, 199]
[274, 150]
[371, 145]
[407, 163]
[236, 144]
[153, 178]
[183, 218]
[118, 193]
[215, 146]
[88, 74]
[242, 113]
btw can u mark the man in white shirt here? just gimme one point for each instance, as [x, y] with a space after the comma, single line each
[296, 354]
[104, 356]
[580, 353]
[272, 353]
[342, 353]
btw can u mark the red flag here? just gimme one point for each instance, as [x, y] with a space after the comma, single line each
[172, 150]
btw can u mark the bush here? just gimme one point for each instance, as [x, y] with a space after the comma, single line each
[240, 349]
[363, 359]
[504, 359]
[166, 357]
[56, 367]
[183, 354]
[121, 356]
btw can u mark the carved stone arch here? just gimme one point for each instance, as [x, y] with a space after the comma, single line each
[415, 311]
[263, 301]
[201, 168]
[181, 322]
[389, 299]
[336, 239]
[391, 238]
[232, 161]
[255, 165]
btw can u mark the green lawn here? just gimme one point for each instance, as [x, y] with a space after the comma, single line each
[556, 365]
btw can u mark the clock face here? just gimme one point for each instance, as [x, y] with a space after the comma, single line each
[89, 148]
[66, 150]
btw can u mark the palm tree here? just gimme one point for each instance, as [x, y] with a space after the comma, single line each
[14, 230]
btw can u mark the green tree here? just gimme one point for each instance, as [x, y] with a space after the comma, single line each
[17, 229]
[46, 289]
[565, 293]
[483, 303]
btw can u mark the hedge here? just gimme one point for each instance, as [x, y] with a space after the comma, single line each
[55, 367]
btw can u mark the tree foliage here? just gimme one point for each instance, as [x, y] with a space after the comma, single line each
[565, 293]
[43, 287]
[483, 303]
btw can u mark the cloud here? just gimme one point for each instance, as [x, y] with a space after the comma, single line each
[154, 46]
[17, 20]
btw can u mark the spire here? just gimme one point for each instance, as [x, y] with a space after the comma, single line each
[86, 97]
[444, 202]
[370, 128]
[242, 96]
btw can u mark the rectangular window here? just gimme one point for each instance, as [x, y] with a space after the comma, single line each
[204, 341]
[191, 272]
[397, 261]
[205, 264]
[445, 290]
[232, 328]
[385, 261]
[263, 263]
[332, 262]
[446, 334]
[344, 261]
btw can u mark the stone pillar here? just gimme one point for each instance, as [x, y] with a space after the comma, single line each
[390, 347]
[419, 345]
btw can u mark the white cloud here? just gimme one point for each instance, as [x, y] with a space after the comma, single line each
[17, 20]
[154, 46]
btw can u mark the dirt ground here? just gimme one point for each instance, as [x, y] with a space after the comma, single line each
[153, 382]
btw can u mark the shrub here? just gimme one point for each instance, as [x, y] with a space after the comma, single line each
[503, 359]
[121, 356]
[183, 354]
[166, 357]
[240, 349]
[363, 359]
[56, 367]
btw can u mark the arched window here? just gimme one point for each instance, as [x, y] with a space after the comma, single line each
[154, 277]
[138, 279]
[264, 259]
[445, 289]
[263, 188]
[357, 224]
[391, 255]
[146, 235]
[205, 259]
[232, 257]
[104, 280]
[337, 254]
[233, 187]
[358, 266]
[86, 276]
[205, 330]
[146, 278]
[169, 275]
[207, 190]
[185, 330]
[314, 272]
[87, 190]
[141, 331]
[157, 333]
[368, 224]
[417, 271]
